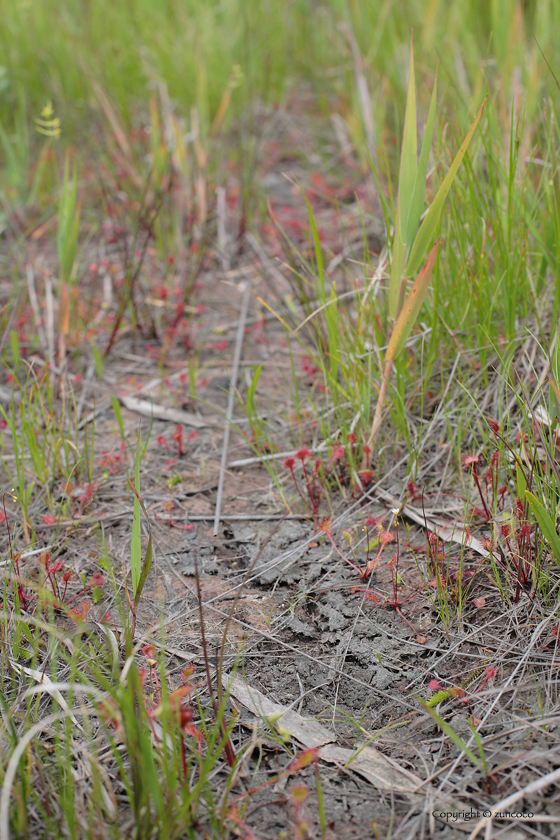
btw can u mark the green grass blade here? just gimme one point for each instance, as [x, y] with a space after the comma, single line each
[546, 524]
[135, 544]
[251, 391]
[419, 194]
[98, 360]
[411, 307]
[452, 735]
[397, 265]
[480, 746]
[118, 416]
[318, 251]
[146, 567]
[430, 222]
[409, 152]
[520, 481]
[407, 179]
[147, 564]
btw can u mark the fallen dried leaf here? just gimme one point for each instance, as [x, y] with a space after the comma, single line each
[160, 412]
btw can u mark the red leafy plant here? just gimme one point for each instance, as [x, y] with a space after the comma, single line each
[449, 580]
[111, 461]
[173, 705]
[396, 602]
[490, 493]
[316, 475]
[514, 549]
[378, 542]
[299, 794]
[169, 506]
[313, 480]
[490, 673]
[54, 575]
[178, 439]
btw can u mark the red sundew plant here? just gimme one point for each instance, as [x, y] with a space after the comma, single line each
[470, 462]
[18, 587]
[79, 614]
[382, 539]
[338, 452]
[301, 761]
[178, 439]
[149, 652]
[310, 370]
[513, 546]
[316, 477]
[111, 461]
[314, 480]
[97, 581]
[177, 702]
[447, 580]
[55, 575]
[326, 526]
[299, 794]
[414, 491]
[519, 557]
[84, 498]
[489, 674]
[458, 691]
[396, 602]
[234, 815]
[490, 493]
[169, 506]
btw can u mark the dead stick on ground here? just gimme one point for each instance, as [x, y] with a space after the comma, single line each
[35, 307]
[49, 317]
[378, 417]
[231, 397]
[9, 324]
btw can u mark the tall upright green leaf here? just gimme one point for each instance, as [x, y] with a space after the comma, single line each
[409, 153]
[546, 524]
[419, 194]
[407, 178]
[428, 228]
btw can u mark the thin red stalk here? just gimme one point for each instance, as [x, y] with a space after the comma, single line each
[404, 618]
[298, 488]
[340, 554]
[480, 493]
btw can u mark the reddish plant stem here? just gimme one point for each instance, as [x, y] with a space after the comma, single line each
[480, 493]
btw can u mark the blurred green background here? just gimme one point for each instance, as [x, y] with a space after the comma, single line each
[50, 49]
